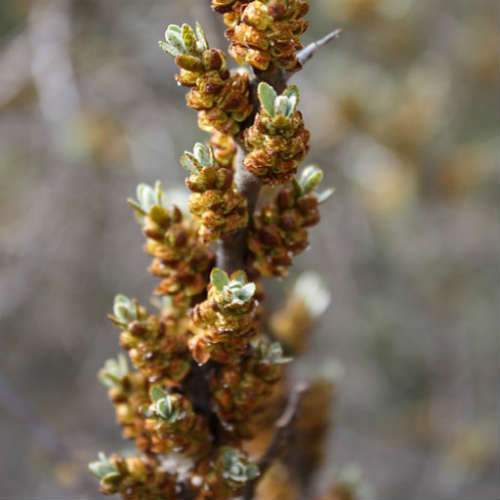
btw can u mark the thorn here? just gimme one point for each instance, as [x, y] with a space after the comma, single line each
[308, 52]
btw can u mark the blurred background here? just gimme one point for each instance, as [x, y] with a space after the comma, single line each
[404, 112]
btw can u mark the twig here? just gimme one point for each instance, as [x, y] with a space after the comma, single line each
[231, 254]
[232, 251]
[308, 52]
[283, 428]
[15, 71]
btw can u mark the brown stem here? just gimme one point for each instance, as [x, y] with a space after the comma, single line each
[232, 251]
[283, 429]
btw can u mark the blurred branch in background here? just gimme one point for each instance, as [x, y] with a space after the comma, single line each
[15, 73]
[50, 34]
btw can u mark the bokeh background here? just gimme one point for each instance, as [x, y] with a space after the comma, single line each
[404, 111]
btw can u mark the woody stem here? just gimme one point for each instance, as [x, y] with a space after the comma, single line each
[233, 249]
[283, 428]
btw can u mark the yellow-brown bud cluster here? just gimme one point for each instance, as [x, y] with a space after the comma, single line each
[225, 475]
[181, 260]
[129, 393]
[224, 149]
[264, 33]
[225, 323]
[156, 345]
[174, 426]
[241, 391]
[221, 98]
[134, 478]
[277, 141]
[215, 202]
[279, 230]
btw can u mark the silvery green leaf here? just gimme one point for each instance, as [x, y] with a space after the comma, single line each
[310, 179]
[163, 407]
[159, 194]
[156, 393]
[236, 466]
[203, 154]
[239, 294]
[173, 37]
[247, 291]
[168, 48]
[174, 28]
[188, 38]
[325, 195]
[281, 105]
[292, 106]
[135, 205]
[202, 39]
[123, 309]
[219, 279]
[267, 97]
[103, 468]
[122, 365]
[190, 163]
[114, 371]
[146, 196]
[292, 91]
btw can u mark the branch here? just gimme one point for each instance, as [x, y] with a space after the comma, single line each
[283, 428]
[231, 254]
[232, 250]
[308, 52]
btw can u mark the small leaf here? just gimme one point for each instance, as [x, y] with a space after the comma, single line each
[159, 194]
[247, 291]
[325, 195]
[219, 279]
[281, 105]
[190, 163]
[202, 39]
[122, 309]
[203, 154]
[310, 179]
[146, 196]
[136, 207]
[292, 91]
[173, 37]
[168, 48]
[103, 468]
[267, 97]
[157, 393]
[188, 38]
[122, 364]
